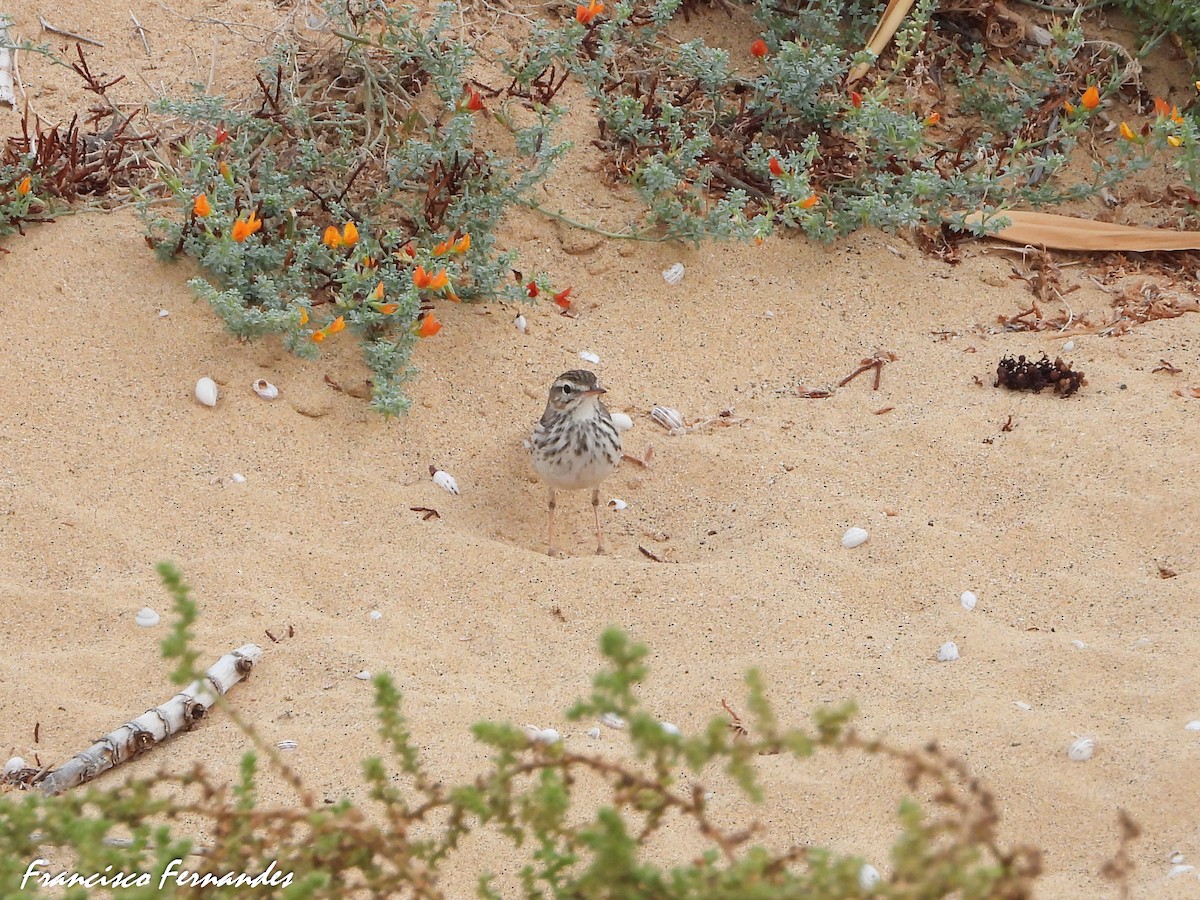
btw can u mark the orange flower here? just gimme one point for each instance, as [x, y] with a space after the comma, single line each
[439, 281]
[856, 99]
[223, 168]
[1127, 132]
[388, 308]
[378, 293]
[933, 118]
[1068, 106]
[443, 247]
[585, 14]
[563, 298]
[421, 278]
[222, 136]
[758, 48]
[201, 206]
[531, 289]
[1090, 98]
[450, 295]
[332, 238]
[369, 262]
[463, 244]
[472, 102]
[338, 324]
[1160, 107]
[775, 166]
[349, 234]
[408, 250]
[242, 229]
[809, 202]
[303, 316]
[318, 337]
[1174, 141]
[1175, 116]
[25, 186]
[429, 326]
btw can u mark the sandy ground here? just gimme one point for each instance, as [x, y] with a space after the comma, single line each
[108, 465]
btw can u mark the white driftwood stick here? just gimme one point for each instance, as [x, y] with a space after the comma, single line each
[155, 726]
[6, 65]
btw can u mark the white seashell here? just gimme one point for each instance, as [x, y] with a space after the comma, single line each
[520, 323]
[287, 745]
[612, 720]
[1175, 858]
[1079, 645]
[546, 736]
[12, 767]
[674, 274]
[237, 478]
[668, 728]
[593, 733]
[617, 503]
[1022, 705]
[948, 652]
[1176, 871]
[589, 356]
[445, 481]
[147, 618]
[1082, 749]
[854, 537]
[163, 313]
[621, 421]
[1193, 725]
[265, 389]
[670, 419]
[868, 877]
[206, 391]
[969, 600]
[376, 615]
[364, 675]
[1068, 346]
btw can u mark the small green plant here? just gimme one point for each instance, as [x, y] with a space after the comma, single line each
[411, 833]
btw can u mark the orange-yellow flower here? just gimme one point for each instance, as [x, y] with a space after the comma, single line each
[758, 48]
[338, 324]
[463, 244]
[25, 186]
[775, 166]
[585, 14]
[1127, 132]
[531, 289]
[473, 101]
[369, 262]
[933, 118]
[450, 295]
[856, 99]
[243, 228]
[222, 136]
[1068, 106]
[1161, 108]
[439, 281]
[201, 207]
[223, 168]
[429, 326]
[1175, 116]
[303, 316]
[332, 238]
[1090, 98]
[388, 308]
[1174, 141]
[421, 278]
[378, 293]
[808, 202]
[349, 234]
[563, 298]
[318, 337]
[443, 247]
[409, 250]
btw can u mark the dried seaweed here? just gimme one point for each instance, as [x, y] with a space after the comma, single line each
[1027, 375]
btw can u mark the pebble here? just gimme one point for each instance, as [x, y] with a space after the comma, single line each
[364, 675]
[1176, 871]
[147, 618]
[969, 600]
[163, 313]
[237, 478]
[265, 389]
[589, 356]
[13, 766]
[668, 728]
[612, 720]
[1193, 725]
[1082, 749]
[545, 736]
[1078, 644]
[948, 652]
[520, 323]
[868, 877]
[617, 503]
[445, 481]
[593, 733]
[621, 421]
[206, 391]
[1068, 346]
[854, 537]
[674, 274]
[376, 615]
[1176, 857]
[1022, 705]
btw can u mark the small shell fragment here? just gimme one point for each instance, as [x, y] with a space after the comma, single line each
[444, 480]
[147, 618]
[1078, 644]
[948, 652]
[854, 537]
[1178, 870]
[287, 745]
[520, 323]
[364, 675]
[668, 418]
[206, 391]
[612, 720]
[1193, 725]
[668, 728]
[1082, 749]
[545, 736]
[589, 356]
[163, 313]
[594, 733]
[1068, 346]
[868, 877]
[376, 615]
[1175, 858]
[237, 478]
[969, 600]
[617, 503]
[265, 389]
[1022, 706]
[621, 421]
[674, 274]
[12, 767]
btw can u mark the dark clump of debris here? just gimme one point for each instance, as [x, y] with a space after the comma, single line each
[1026, 375]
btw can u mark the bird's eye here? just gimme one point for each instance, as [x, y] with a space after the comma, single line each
[566, 389]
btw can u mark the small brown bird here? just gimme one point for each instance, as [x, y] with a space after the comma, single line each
[575, 445]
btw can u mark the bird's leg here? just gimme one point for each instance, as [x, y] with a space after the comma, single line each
[553, 551]
[599, 532]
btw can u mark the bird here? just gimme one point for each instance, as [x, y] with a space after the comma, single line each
[575, 444]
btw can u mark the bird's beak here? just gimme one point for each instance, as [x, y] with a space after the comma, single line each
[596, 391]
